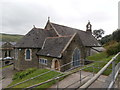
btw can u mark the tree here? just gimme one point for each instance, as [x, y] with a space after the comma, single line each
[116, 35]
[98, 33]
[106, 39]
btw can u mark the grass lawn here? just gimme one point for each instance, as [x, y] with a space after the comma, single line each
[104, 59]
[36, 80]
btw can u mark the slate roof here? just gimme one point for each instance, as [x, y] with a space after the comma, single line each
[13, 43]
[49, 42]
[35, 38]
[64, 30]
[54, 46]
[99, 49]
[86, 38]
[3, 43]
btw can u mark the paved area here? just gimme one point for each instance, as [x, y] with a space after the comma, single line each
[6, 74]
[66, 83]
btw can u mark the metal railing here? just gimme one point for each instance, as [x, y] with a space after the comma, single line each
[113, 75]
[58, 77]
[70, 63]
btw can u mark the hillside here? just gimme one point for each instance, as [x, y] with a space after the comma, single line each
[10, 37]
[100, 60]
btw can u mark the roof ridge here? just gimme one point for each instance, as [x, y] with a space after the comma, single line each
[41, 29]
[66, 26]
[54, 28]
[38, 28]
[68, 43]
[60, 36]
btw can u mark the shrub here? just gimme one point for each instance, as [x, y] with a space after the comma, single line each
[112, 49]
[110, 44]
[20, 75]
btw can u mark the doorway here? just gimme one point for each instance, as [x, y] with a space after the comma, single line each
[56, 65]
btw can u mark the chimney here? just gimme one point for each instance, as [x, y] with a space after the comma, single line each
[89, 28]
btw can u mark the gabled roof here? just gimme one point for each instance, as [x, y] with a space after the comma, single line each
[86, 38]
[35, 38]
[7, 44]
[64, 30]
[13, 43]
[98, 49]
[54, 46]
[2, 43]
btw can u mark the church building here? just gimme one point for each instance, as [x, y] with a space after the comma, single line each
[54, 46]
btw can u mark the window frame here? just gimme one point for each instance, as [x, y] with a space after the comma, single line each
[43, 61]
[30, 54]
[77, 52]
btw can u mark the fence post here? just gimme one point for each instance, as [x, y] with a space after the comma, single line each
[113, 71]
[80, 77]
[118, 82]
[93, 70]
[57, 82]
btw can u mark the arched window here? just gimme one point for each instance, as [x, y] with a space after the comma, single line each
[76, 57]
[28, 54]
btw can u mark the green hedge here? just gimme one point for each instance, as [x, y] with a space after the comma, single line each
[113, 49]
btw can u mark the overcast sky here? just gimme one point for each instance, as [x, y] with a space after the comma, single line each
[19, 16]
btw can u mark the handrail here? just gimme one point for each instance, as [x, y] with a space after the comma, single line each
[48, 72]
[43, 74]
[115, 76]
[92, 80]
[56, 78]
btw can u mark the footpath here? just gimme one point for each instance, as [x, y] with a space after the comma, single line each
[75, 78]
[6, 76]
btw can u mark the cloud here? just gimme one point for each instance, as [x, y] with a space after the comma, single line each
[18, 16]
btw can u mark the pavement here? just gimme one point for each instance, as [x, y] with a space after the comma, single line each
[67, 82]
[6, 74]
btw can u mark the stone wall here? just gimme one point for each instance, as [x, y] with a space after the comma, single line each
[49, 62]
[68, 54]
[22, 64]
[5, 53]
